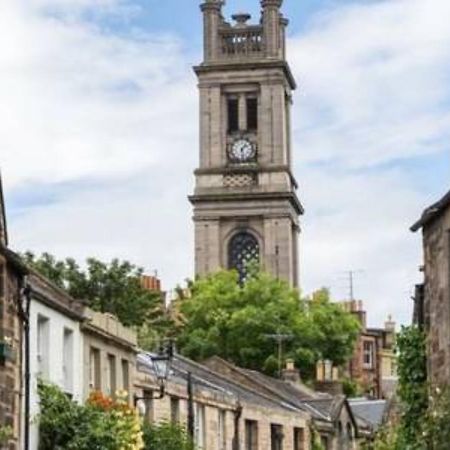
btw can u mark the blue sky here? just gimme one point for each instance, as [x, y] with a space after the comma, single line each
[99, 133]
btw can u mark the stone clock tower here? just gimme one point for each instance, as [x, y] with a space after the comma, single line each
[245, 202]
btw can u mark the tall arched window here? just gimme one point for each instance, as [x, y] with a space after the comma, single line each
[243, 249]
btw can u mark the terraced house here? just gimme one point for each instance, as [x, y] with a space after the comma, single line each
[12, 315]
[432, 309]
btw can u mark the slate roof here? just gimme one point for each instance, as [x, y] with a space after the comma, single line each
[432, 212]
[371, 411]
[320, 406]
[208, 379]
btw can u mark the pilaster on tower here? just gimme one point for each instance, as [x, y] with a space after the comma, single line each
[273, 28]
[212, 20]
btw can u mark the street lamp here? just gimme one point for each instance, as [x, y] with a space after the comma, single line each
[161, 365]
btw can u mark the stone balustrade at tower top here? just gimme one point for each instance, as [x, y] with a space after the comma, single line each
[228, 42]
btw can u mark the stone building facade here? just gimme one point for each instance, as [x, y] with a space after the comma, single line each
[329, 415]
[245, 202]
[55, 352]
[433, 298]
[12, 280]
[227, 414]
[109, 355]
[373, 365]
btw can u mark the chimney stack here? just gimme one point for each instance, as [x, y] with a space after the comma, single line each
[327, 378]
[291, 374]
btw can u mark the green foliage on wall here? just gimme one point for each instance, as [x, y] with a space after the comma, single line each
[409, 432]
[412, 387]
[6, 434]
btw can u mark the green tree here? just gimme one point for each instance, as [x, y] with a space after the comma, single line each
[222, 317]
[113, 287]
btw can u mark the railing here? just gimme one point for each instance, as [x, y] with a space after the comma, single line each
[241, 42]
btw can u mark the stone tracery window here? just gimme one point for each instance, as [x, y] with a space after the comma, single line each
[243, 249]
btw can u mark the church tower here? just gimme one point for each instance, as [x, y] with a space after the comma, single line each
[245, 202]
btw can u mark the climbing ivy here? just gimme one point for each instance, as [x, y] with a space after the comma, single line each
[409, 430]
[412, 387]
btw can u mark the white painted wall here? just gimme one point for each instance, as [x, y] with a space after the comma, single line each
[57, 324]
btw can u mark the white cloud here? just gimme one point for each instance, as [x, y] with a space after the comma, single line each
[78, 102]
[115, 118]
[372, 78]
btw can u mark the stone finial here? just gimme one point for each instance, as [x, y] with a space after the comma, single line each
[241, 19]
[212, 5]
[274, 3]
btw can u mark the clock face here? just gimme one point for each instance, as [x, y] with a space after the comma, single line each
[242, 150]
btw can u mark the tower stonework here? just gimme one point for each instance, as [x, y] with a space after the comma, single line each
[245, 202]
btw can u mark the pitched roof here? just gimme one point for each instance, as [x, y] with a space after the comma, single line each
[211, 380]
[3, 228]
[371, 411]
[432, 212]
[321, 406]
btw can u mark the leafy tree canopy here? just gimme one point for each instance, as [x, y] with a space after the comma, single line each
[222, 317]
[113, 287]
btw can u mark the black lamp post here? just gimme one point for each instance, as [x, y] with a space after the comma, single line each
[161, 365]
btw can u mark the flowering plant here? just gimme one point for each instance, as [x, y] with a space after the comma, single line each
[101, 424]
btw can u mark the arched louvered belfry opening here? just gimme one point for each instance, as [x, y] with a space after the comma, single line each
[243, 250]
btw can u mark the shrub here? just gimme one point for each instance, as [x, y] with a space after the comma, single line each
[101, 424]
[6, 434]
[166, 436]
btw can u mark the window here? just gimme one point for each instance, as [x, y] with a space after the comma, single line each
[251, 435]
[175, 410]
[94, 369]
[126, 376]
[221, 430]
[233, 115]
[111, 385]
[276, 437]
[199, 428]
[299, 439]
[368, 354]
[68, 360]
[252, 114]
[243, 250]
[43, 343]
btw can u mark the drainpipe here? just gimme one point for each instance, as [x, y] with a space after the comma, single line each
[237, 418]
[190, 407]
[24, 311]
